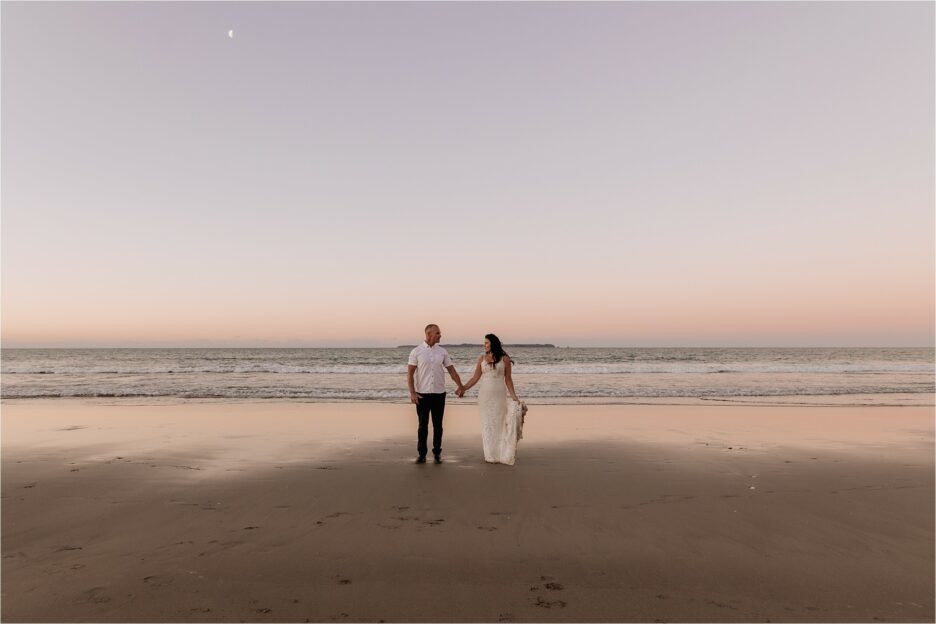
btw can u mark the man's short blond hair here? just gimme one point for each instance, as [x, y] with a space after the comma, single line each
[430, 326]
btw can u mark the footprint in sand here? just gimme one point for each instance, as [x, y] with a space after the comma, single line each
[550, 584]
[344, 581]
[158, 580]
[505, 617]
[337, 514]
[666, 498]
[553, 604]
[95, 594]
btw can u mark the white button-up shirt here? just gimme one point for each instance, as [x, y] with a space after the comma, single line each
[430, 363]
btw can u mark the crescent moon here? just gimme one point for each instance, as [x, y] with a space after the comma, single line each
[231, 34]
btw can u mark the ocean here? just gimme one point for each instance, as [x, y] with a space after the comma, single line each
[855, 376]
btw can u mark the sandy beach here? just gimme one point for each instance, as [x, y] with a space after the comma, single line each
[294, 512]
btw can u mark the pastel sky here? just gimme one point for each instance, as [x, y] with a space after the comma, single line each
[620, 174]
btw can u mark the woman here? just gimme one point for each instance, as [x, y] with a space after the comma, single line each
[498, 429]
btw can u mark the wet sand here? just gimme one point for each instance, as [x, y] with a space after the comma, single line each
[286, 512]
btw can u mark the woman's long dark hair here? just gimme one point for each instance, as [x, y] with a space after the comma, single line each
[497, 349]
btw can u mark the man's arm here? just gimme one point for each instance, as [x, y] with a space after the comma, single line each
[411, 382]
[454, 374]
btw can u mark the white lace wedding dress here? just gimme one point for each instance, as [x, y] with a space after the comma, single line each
[498, 432]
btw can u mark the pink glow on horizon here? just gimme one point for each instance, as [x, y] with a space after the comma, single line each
[677, 318]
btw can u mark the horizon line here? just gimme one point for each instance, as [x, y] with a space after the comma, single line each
[527, 345]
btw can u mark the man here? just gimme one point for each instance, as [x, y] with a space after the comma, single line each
[426, 378]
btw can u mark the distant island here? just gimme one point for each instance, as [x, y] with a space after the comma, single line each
[448, 346]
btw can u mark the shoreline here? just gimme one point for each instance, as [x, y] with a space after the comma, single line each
[910, 399]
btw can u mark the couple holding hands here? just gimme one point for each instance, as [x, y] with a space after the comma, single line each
[501, 420]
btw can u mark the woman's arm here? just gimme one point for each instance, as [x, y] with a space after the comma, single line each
[508, 379]
[474, 378]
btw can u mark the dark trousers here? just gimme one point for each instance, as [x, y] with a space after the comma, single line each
[433, 404]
